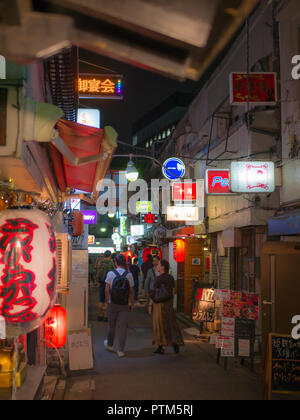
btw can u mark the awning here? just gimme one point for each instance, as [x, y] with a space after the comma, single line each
[82, 155]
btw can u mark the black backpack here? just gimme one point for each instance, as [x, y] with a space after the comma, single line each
[120, 289]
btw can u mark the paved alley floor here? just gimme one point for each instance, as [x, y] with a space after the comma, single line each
[142, 375]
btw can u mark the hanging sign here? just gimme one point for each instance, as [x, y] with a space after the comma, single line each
[137, 230]
[184, 191]
[123, 228]
[263, 88]
[117, 240]
[89, 217]
[143, 207]
[100, 86]
[173, 169]
[91, 240]
[217, 182]
[89, 117]
[182, 214]
[252, 177]
[150, 218]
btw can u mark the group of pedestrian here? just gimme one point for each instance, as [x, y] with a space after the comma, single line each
[119, 289]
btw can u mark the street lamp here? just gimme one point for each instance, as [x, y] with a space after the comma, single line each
[131, 172]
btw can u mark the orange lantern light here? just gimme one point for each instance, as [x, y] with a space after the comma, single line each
[151, 251]
[179, 250]
[75, 223]
[56, 327]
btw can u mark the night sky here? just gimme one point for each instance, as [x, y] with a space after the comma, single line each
[143, 90]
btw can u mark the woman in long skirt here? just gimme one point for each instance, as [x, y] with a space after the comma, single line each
[166, 331]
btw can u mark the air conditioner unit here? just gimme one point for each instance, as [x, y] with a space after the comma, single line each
[64, 257]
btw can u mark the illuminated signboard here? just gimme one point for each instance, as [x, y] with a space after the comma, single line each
[117, 240]
[182, 214]
[100, 86]
[123, 229]
[217, 182]
[89, 217]
[130, 240]
[263, 88]
[137, 230]
[252, 177]
[91, 240]
[184, 191]
[143, 207]
[150, 218]
[89, 117]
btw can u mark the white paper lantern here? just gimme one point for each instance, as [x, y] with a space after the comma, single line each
[28, 268]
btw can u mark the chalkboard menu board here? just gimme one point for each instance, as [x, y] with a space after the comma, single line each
[283, 365]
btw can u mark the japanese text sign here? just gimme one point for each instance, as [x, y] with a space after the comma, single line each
[252, 177]
[217, 181]
[100, 86]
[184, 191]
[262, 86]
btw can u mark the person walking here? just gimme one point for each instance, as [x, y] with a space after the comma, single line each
[135, 271]
[105, 265]
[151, 276]
[146, 266]
[166, 331]
[120, 296]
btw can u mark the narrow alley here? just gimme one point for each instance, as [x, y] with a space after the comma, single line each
[142, 375]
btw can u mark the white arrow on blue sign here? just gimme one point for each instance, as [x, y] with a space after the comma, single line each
[173, 169]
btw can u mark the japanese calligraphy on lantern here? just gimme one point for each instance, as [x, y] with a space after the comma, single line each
[100, 86]
[262, 86]
[252, 177]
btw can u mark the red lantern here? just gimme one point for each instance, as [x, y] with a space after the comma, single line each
[75, 223]
[179, 250]
[151, 250]
[28, 268]
[56, 327]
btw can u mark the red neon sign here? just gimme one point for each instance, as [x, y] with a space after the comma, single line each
[217, 181]
[184, 191]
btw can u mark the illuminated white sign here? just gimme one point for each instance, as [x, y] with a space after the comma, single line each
[90, 117]
[182, 214]
[137, 230]
[117, 240]
[99, 250]
[252, 177]
[2, 67]
[130, 240]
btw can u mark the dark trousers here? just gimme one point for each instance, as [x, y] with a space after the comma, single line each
[117, 314]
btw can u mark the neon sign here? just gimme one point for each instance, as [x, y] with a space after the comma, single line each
[217, 181]
[100, 86]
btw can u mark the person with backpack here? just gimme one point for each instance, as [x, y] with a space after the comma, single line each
[120, 297]
[104, 266]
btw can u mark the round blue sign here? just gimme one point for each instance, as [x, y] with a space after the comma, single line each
[173, 169]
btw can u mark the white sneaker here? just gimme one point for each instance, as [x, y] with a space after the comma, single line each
[121, 354]
[107, 347]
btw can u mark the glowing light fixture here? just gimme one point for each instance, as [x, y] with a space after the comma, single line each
[131, 172]
[111, 215]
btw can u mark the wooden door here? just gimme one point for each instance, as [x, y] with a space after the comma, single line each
[193, 269]
[280, 287]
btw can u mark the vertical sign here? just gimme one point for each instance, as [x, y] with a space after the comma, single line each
[2, 67]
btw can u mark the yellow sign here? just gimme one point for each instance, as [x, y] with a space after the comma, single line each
[100, 86]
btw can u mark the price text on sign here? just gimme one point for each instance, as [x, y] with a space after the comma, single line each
[100, 86]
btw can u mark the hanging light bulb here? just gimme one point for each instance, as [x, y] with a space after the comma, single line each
[111, 215]
[131, 172]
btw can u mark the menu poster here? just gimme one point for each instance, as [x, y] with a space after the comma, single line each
[222, 295]
[227, 349]
[244, 348]
[228, 327]
[242, 305]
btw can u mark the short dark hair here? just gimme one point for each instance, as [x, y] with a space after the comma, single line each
[149, 258]
[156, 257]
[107, 254]
[166, 265]
[135, 260]
[120, 260]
